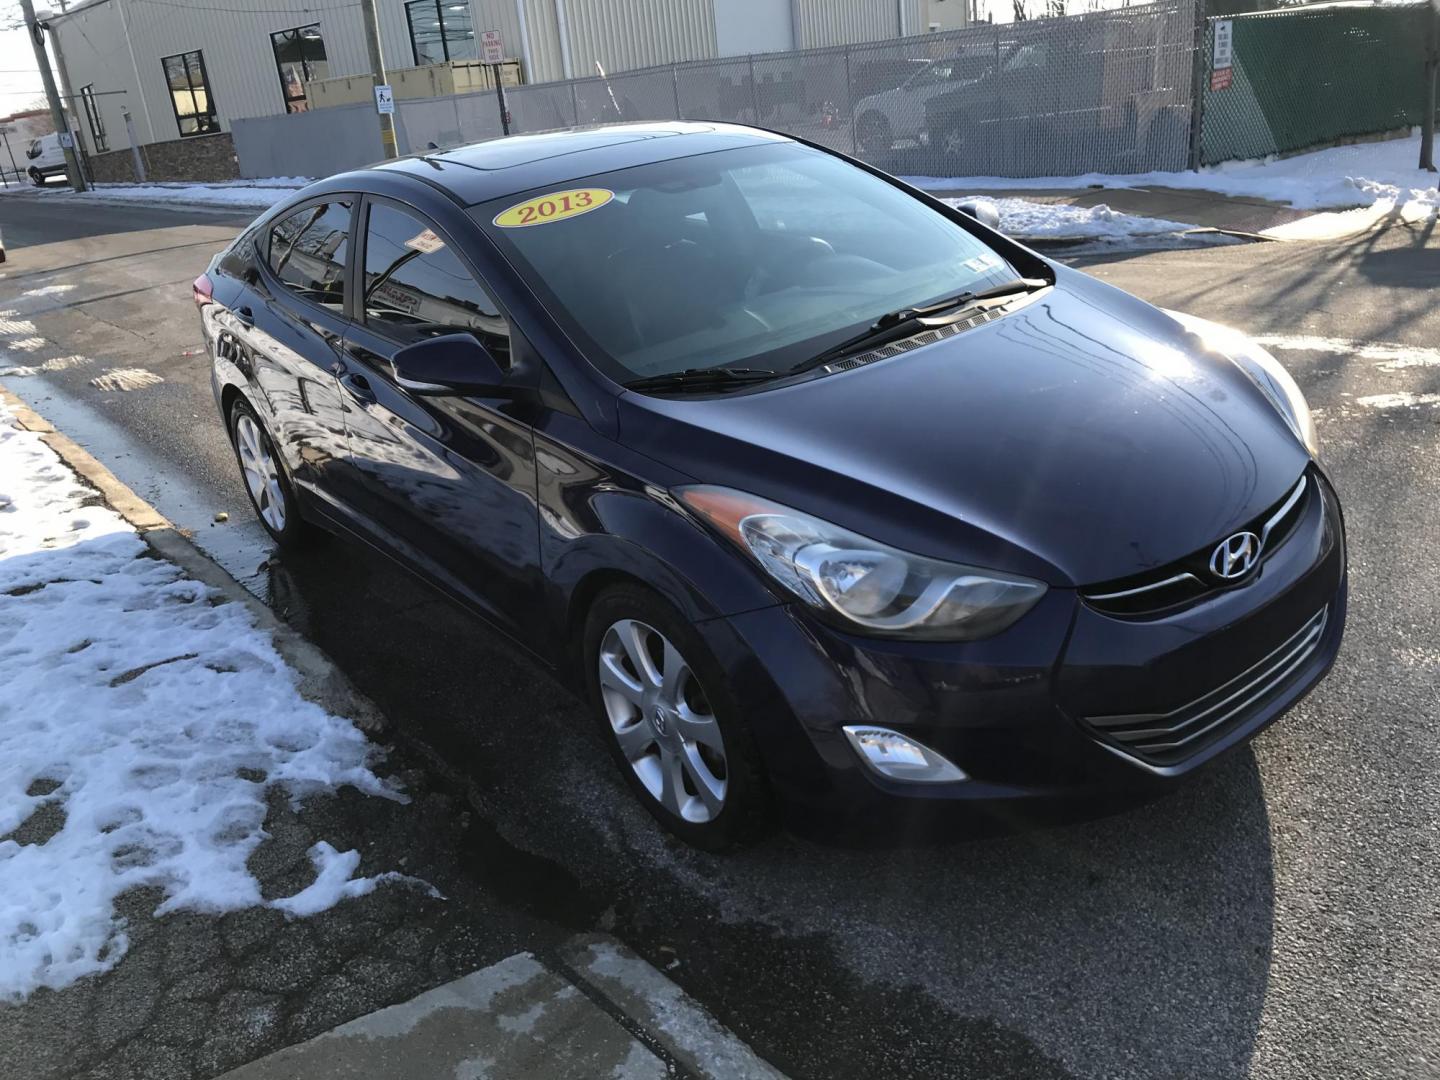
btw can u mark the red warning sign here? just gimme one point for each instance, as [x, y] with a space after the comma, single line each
[1220, 79]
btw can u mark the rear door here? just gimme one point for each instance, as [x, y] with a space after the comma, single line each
[293, 326]
[445, 481]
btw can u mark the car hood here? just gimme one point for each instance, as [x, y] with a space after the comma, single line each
[1082, 437]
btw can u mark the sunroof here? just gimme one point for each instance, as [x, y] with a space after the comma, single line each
[524, 149]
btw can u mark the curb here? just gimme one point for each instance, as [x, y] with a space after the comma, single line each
[319, 679]
[599, 1011]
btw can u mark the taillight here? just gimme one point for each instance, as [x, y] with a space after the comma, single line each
[203, 291]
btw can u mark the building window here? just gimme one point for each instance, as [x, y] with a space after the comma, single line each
[440, 30]
[300, 58]
[190, 95]
[97, 122]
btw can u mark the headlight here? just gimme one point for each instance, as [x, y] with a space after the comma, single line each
[867, 584]
[1264, 370]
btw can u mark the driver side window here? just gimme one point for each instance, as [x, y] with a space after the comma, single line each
[307, 253]
[416, 287]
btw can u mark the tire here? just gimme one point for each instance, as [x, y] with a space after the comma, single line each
[288, 528]
[37, 177]
[700, 734]
[875, 139]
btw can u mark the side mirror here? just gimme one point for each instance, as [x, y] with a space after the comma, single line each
[982, 210]
[451, 364]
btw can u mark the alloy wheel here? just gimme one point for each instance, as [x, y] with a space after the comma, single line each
[662, 720]
[262, 475]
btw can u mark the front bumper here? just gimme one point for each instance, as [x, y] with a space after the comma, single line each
[1028, 714]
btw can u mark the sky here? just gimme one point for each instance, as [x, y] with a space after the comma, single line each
[19, 80]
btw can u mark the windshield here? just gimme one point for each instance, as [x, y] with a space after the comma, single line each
[761, 257]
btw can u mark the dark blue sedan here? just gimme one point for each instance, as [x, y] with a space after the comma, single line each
[820, 491]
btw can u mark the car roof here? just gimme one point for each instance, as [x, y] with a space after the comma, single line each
[488, 170]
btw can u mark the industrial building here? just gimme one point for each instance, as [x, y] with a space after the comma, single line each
[171, 75]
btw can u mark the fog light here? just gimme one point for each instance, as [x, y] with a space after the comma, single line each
[900, 758]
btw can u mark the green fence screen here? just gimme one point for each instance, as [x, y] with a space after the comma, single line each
[1305, 77]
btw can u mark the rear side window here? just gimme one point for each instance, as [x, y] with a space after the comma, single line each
[416, 287]
[307, 252]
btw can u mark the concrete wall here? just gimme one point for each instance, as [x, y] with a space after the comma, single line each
[943, 15]
[316, 143]
[753, 26]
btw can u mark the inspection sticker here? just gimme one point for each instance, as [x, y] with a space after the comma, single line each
[427, 243]
[556, 207]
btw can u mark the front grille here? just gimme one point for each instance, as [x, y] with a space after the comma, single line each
[1169, 738]
[1189, 579]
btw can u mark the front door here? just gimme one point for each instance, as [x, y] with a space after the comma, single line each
[445, 481]
[293, 322]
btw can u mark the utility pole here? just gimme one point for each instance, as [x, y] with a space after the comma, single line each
[57, 110]
[1432, 65]
[377, 69]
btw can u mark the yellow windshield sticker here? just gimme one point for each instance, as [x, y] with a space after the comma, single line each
[554, 207]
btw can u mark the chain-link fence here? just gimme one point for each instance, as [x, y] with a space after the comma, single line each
[1308, 76]
[1103, 92]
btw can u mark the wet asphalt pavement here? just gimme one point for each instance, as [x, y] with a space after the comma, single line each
[1277, 917]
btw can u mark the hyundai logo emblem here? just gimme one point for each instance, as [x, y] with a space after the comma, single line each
[658, 720]
[1235, 556]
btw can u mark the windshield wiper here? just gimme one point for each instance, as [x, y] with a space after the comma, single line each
[701, 378]
[904, 322]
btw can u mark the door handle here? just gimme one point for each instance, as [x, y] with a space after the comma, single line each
[245, 317]
[357, 386]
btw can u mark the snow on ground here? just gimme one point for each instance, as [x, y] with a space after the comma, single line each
[1362, 175]
[1026, 220]
[142, 720]
[257, 194]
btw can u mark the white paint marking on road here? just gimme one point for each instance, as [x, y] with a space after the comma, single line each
[29, 344]
[48, 290]
[1392, 356]
[59, 363]
[15, 328]
[125, 379]
[1400, 400]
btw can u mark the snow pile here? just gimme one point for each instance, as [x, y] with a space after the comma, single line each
[1366, 174]
[1026, 220]
[248, 194]
[244, 193]
[142, 721]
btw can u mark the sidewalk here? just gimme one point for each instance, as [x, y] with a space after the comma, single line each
[599, 1011]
